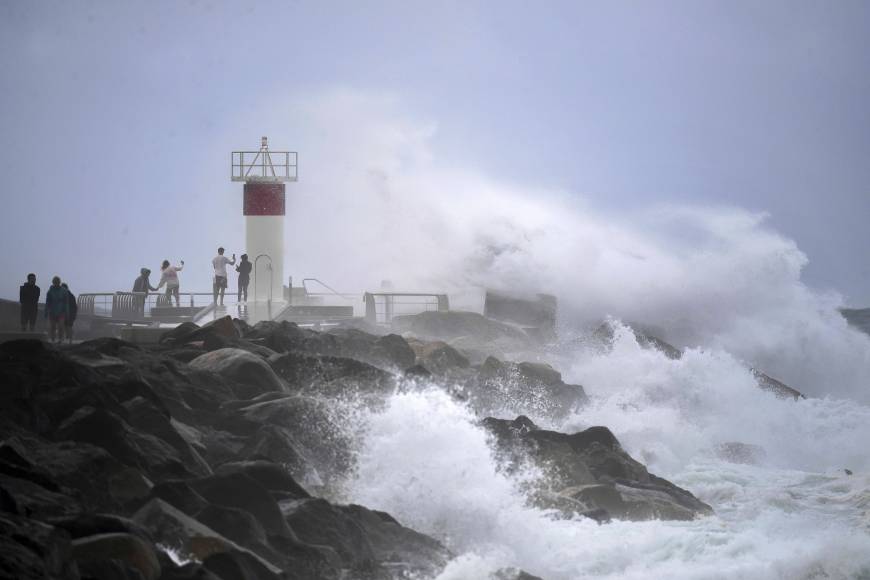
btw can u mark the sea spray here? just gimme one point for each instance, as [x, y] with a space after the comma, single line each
[426, 461]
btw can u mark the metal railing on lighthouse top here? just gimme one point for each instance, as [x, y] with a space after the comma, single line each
[264, 166]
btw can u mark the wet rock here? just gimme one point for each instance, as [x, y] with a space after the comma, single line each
[278, 445]
[126, 444]
[778, 388]
[250, 371]
[271, 476]
[147, 418]
[438, 357]
[191, 538]
[368, 542]
[238, 564]
[237, 525]
[97, 480]
[396, 547]
[513, 574]
[240, 491]
[129, 549]
[523, 388]
[318, 428]
[91, 524]
[465, 330]
[389, 351]
[590, 468]
[33, 550]
[316, 521]
[333, 377]
[180, 495]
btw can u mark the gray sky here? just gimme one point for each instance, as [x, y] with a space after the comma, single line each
[117, 118]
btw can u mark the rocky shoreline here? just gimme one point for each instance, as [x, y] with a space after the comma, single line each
[217, 453]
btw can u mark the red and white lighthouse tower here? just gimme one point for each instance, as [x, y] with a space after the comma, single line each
[264, 173]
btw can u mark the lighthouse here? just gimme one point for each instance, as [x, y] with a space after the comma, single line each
[265, 174]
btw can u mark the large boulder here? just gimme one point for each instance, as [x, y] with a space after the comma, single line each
[244, 368]
[333, 377]
[129, 549]
[588, 471]
[88, 476]
[271, 476]
[320, 429]
[369, 543]
[438, 357]
[509, 389]
[126, 444]
[236, 489]
[467, 331]
[33, 550]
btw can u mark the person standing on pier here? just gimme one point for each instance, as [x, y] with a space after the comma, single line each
[72, 311]
[169, 278]
[244, 270]
[220, 263]
[56, 309]
[29, 297]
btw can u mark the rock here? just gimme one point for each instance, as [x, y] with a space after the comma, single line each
[365, 540]
[180, 495]
[590, 468]
[127, 548]
[248, 370]
[468, 329]
[192, 539]
[32, 550]
[318, 428]
[180, 334]
[240, 491]
[237, 525]
[778, 388]
[513, 574]
[438, 357]
[147, 418]
[333, 377]
[524, 388]
[126, 444]
[396, 547]
[278, 445]
[737, 452]
[271, 476]
[99, 482]
[90, 524]
[242, 565]
[390, 352]
[316, 521]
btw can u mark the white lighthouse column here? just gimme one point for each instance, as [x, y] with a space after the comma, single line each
[265, 237]
[264, 220]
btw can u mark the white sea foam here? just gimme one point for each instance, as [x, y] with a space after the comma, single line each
[427, 462]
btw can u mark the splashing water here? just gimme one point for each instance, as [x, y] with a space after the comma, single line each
[797, 515]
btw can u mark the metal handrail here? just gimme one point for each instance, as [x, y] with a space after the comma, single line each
[346, 296]
[271, 275]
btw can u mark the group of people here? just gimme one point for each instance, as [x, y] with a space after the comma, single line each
[169, 278]
[61, 308]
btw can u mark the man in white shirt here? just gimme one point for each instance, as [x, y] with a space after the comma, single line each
[220, 274]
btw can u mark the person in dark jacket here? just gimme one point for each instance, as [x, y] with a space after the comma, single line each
[244, 270]
[56, 309]
[142, 283]
[29, 298]
[72, 311]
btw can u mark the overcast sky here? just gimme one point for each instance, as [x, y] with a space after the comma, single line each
[118, 118]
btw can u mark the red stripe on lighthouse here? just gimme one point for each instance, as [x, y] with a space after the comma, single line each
[264, 199]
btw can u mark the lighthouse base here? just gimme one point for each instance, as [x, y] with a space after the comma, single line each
[265, 249]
